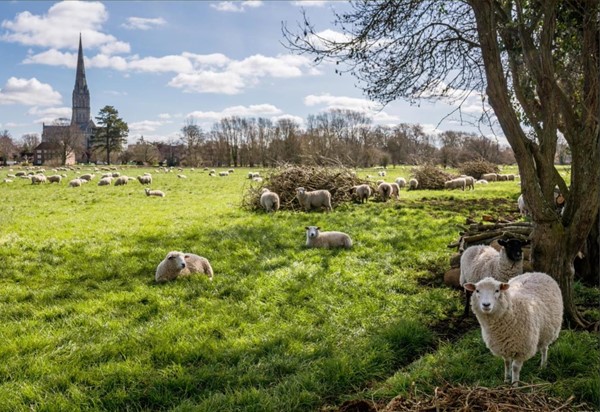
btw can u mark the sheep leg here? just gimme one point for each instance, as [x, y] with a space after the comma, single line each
[516, 371]
[467, 302]
[507, 370]
[544, 353]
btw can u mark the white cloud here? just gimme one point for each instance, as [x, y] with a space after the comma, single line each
[172, 63]
[144, 126]
[53, 57]
[141, 23]
[164, 116]
[429, 128]
[50, 113]
[310, 3]
[321, 39]
[61, 26]
[296, 119]
[30, 92]
[256, 110]
[371, 109]
[208, 82]
[207, 60]
[236, 6]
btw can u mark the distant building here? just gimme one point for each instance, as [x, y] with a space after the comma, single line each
[50, 153]
[80, 115]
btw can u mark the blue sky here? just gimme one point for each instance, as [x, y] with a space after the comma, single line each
[162, 63]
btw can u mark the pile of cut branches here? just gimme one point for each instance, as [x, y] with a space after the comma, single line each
[285, 179]
[430, 177]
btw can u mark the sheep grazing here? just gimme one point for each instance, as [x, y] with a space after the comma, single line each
[316, 238]
[317, 199]
[362, 192]
[76, 183]
[223, 173]
[87, 177]
[480, 261]
[54, 179]
[157, 193]
[105, 181]
[413, 184]
[395, 190]
[518, 318]
[38, 179]
[121, 181]
[269, 200]
[145, 179]
[230, 171]
[401, 182]
[458, 183]
[490, 177]
[177, 264]
[469, 182]
[252, 175]
[385, 191]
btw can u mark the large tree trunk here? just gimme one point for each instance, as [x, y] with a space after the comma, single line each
[587, 266]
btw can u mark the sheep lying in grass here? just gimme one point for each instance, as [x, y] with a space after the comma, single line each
[182, 176]
[177, 264]
[362, 192]
[316, 238]
[223, 173]
[480, 261]
[157, 193]
[269, 200]
[458, 183]
[518, 318]
[316, 199]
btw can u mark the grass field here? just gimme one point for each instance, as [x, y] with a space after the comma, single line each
[281, 328]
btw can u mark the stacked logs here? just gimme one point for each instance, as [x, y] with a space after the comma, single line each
[487, 234]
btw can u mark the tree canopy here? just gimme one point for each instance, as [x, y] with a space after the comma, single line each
[111, 133]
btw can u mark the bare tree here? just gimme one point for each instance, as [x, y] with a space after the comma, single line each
[536, 61]
[7, 146]
[143, 152]
[192, 138]
[67, 138]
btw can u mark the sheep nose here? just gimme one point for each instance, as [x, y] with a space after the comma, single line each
[182, 265]
[485, 305]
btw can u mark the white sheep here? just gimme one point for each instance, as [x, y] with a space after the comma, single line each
[182, 176]
[490, 177]
[105, 181]
[518, 318]
[121, 180]
[522, 206]
[252, 175]
[269, 200]
[413, 184]
[316, 238]
[7, 180]
[76, 182]
[38, 179]
[458, 183]
[480, 261]
[157, 193]
[395, 190]
[223, 173]
[177, 264]
[385, 191]
[315, 198]
[362, 192]
[401, 182]
[481, 182]
[469, 182]
[145, 179]
[54, 179]
[382, 173]
[87, 177]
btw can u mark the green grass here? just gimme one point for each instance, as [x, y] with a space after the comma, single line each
[282, 327]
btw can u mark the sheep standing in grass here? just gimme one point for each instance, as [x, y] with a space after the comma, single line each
[458, 183]
[54, 179]
[385, 191]
[362, 192]
[413, 184]
[177, 264]
[157, 193]
[469, 182]
[145, 179]
[269, 200]
[105, 181]
[76, 183]
[87, 177]
[316, 238]
[317, 199]
[401, 182]
[38, 179]
[480, 261]
[490, 177]
[518, 318]
[121, 181]
[395, 190]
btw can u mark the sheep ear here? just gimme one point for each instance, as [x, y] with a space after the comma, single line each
[469, 286]
[306, 227]
[504, 286]
[502, 242]
[318, 228]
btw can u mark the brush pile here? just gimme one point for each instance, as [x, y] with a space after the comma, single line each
[285, 179]
[430, 177]
[477, 168]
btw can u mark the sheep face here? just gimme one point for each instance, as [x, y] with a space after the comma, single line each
[312, 231]
[488, 295]
[513, 248]
[176, 259]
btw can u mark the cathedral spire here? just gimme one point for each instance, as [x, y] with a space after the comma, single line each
[80, 76]
[81, 94]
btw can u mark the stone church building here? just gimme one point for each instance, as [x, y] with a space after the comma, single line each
[80, 117]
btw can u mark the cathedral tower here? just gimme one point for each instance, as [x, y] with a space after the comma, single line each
[81, 94]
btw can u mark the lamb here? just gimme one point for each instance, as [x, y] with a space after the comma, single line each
[121, 180]
[385, 191]
[518, 318]
[157, 193]
[315, 238]
[458, 183]
[105, 181]
[269, 200]
[363, 192]
[38, 179]
[480, 261]
[145, 179]
[413, 184]
[177, 264]
[316, 199]
[54, 179]
[401, 182]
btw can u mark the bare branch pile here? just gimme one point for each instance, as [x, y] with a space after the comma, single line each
[477, 168]
[430, 177]
[284, 181]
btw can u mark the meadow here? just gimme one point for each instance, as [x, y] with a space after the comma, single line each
[281, 328]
